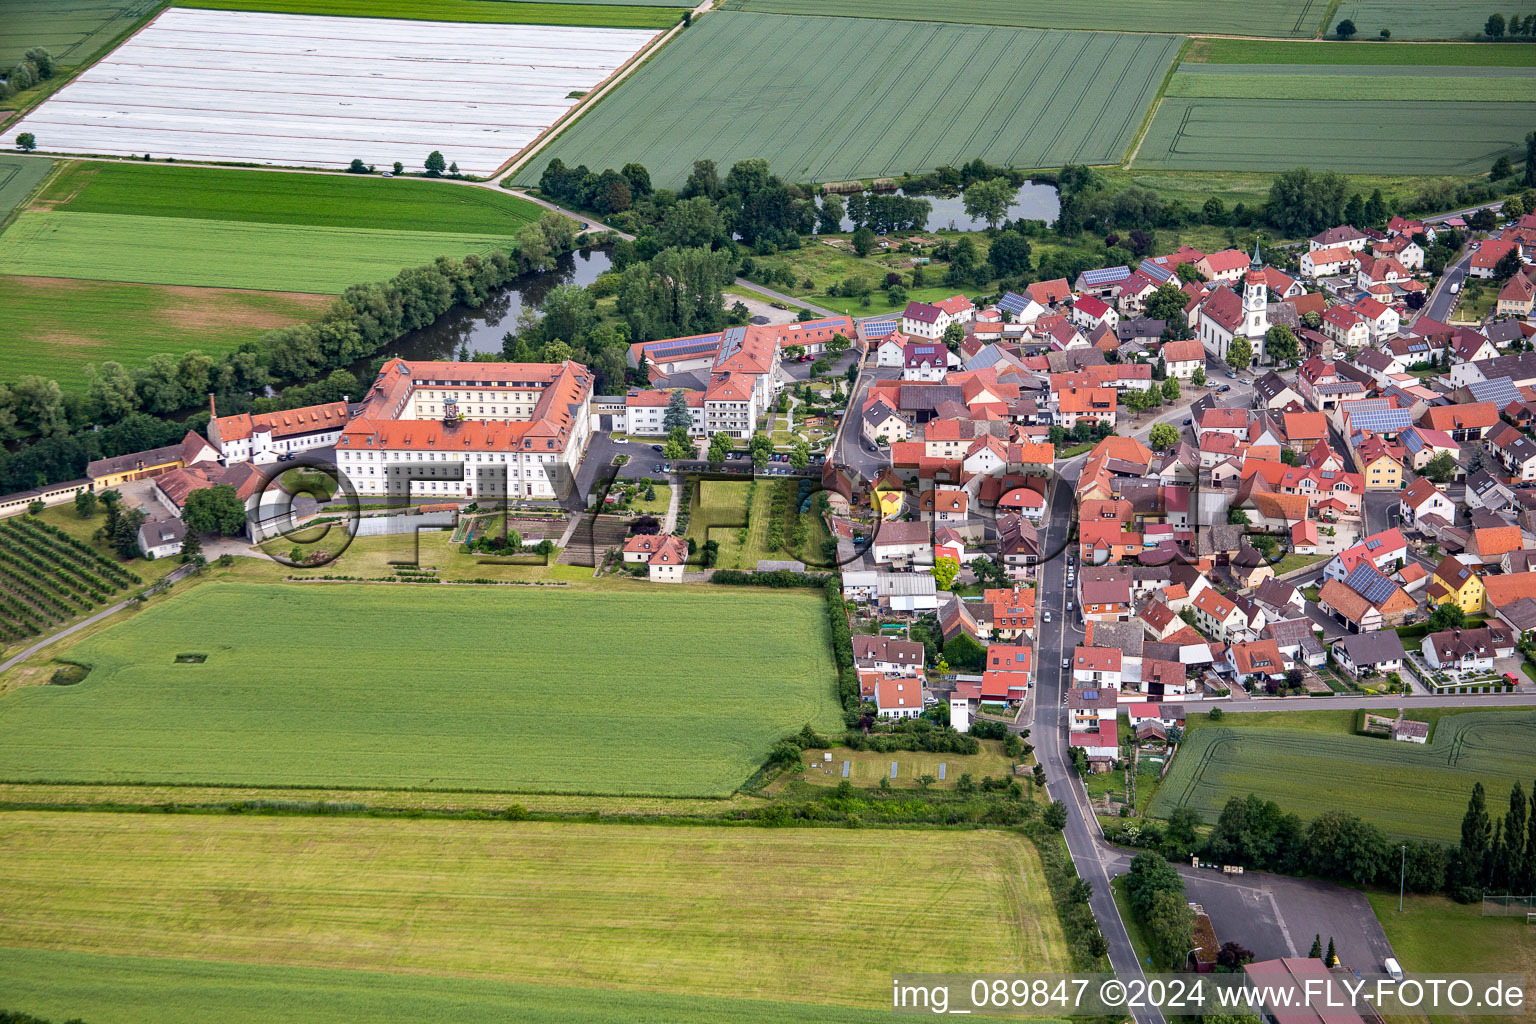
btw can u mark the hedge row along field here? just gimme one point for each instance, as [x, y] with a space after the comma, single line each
[221, 254]
[580, 910]
[1422, 19]
[674, 693]
[47, 577]
[69, 32]
[1024, 98]
[1262, 17]
[1416, 792]
[595, 13]
[318, 200]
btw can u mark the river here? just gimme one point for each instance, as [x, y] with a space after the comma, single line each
[1035, 201]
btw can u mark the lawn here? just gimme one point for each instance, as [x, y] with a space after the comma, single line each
[1264, 17]
[70, 32]
[1460, 137]
[318, 200]
[1415, 791]
[1422, 19]
[19, 175]
[1291, 561]
[1270, 51]
[1079, 98]
[731, 913]
[1434, 937]
[866, 768]
[57, 326]
[227, 254]
[718, 513]
[315, 685]
[633, 14]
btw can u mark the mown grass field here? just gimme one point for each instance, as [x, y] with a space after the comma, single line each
[70, 32]
[1023, 98]
[866, 767]
[1422, 19]
[713, 913]
[539, 689]
[654, 14]
[221, 254]
[1264, 17]
[318, 200]
[19, 176]
[1272, 51]
[1413, 791]
[57, 326]
[1460, 137]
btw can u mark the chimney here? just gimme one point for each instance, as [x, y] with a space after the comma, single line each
[213, 412]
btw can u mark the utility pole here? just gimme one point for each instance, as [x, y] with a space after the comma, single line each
[1402, 879]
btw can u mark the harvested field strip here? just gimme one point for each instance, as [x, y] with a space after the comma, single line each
[58, 326]
[656, 702]
[19, 176]
[597, 13]
[1384, 136]
[1422, 19]
[159, 990]
[1080, 101]
[317, 200]
[1235, 81]
[1269, 51]
[1416, 791]
[168, 250]
[69, 32]
[731, 912]
[1264, 17]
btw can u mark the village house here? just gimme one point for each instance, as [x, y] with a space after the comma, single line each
[1368, 654]
[888, 656]
[665, 554]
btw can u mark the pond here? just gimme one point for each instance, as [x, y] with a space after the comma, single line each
[482, 329]
[1035, 201]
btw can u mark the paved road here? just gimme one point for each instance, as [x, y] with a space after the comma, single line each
[1441, 301]
[180, 572]
[787, 299]
[1048, 727]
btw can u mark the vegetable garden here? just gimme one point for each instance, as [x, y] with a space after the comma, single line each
[48, 577]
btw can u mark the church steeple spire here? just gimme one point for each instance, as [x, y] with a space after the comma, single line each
[1257, 261]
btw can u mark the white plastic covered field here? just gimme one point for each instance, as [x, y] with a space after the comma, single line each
[318, 92]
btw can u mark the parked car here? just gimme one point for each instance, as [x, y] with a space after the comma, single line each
[1188, 422]
[1066, 662]
[1047, 616]
[1070, 606]
[666, 467]
[656, 468]
[1225, 387]
[656, 448]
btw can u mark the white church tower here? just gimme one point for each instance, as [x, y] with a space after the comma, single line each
[1256, 304]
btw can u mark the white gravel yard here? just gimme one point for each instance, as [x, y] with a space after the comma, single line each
[312, 91]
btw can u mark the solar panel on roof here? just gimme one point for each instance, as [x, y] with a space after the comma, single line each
[1501, 391]
[1370, 584]
[1012, 302]
[1105, 275]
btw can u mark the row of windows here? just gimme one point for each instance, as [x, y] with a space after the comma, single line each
[466, 457]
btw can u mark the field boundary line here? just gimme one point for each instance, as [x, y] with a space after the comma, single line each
[1157, 101]
[1328, 13]
[594, 96]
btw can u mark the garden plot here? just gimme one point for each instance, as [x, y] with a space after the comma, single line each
[252, 87]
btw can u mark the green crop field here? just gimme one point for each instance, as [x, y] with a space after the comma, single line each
[654, 14]
[732, 913]
[1367, 135]
[220, 254]
[1268, 51]
[1423, 19]
[1406, 789]
[57, 326]
[672, 691]
[1264, 17]
[903, 102]
[1358, 82]
[19, 176]
[318, 200]
[70, 31]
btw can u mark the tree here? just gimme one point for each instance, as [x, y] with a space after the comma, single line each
[26, 142]
[1441, 469]
[1530, 159]
[1237, 517]
[954, 334]
[989, 200]
[639, 179]
[1446, 616]
[399, 167]
[192, 547]
[1239, 353]
[679, 445]
[829, 216]
[1345, 29]
[112, 501]
[357, 167]
[720, 446]
[1502, 168]
[1164, 437]
[677, 414]
[435, 164]
[1281, 345]
[1493, 28]
[1233, 955]
[1316, 952]
[863, 240]
[215, 509]
[761, 447]
[1198, 377]
[85, 504]
[800, 455]
[1171, 390]
[1180, 835]
[1010, 254]
[1055, 816]
[125, 536]
[945, 569]
[1476, 835]
[1332, 957]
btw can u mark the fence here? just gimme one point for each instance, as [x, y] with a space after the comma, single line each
[1509, 906]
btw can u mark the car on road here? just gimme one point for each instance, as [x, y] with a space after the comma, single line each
[1066, 662]
[1225, 387]
[1047, 616]
[1070, 606]
[1188, 421]
[656, 448]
